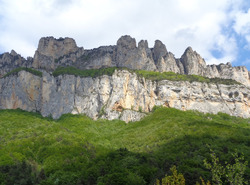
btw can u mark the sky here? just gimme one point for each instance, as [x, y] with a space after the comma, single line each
[219, 30]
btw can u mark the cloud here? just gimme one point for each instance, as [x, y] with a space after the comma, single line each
[177, 23]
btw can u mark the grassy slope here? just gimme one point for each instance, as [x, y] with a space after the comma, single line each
[76, 147]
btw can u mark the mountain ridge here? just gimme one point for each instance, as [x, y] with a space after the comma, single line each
[52, 53]
[123, 94]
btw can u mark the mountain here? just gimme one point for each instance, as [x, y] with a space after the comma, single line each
[51, 82]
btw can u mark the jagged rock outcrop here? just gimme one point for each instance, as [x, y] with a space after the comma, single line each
[123, 95]
[132, 57]
[164, 60]
[52, 53]
[11, 61]
[50, 50]
[193, 63]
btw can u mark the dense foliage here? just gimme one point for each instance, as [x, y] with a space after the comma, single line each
[78, 150]
[151, 75]
[84, 73]
[17, 70]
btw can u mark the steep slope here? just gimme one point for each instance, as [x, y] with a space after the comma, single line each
[78, 150]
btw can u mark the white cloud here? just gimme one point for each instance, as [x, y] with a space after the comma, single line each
[242, 26]
[177, 23]
[242, 22]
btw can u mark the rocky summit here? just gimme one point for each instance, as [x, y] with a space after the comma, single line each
[123, 94]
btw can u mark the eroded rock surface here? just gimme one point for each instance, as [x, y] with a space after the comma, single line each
[123, 95]
[52, 53]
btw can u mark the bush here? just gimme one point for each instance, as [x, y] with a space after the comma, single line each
[16, 71]
[230, 173]
[174, 179]
[21, 173]
[83, 73]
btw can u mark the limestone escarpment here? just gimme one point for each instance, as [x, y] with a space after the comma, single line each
[123, 95]
[52, 53]
[11, 61]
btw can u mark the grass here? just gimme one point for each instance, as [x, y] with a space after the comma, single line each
[151, 75]
[17, 70]
[76, 149]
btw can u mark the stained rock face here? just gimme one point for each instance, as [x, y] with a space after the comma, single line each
[22, 91]
[122, 96]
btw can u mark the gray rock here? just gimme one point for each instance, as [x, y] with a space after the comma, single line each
[159, 50]
[131, 116]
[120, 96]
[52, 53]
[11, 61]
[129, 56]
[50, 50]
[193, 63]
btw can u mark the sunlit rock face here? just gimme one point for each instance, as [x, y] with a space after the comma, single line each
[52, 53]
[123, 95]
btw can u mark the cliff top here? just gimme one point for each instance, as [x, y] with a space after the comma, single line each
[53, 53]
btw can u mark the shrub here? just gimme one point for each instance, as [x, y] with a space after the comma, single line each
[83, 73]
[17, 70]
[232, 173]
[174, 179]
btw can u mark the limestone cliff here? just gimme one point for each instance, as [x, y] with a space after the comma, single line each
[123, 95]
[52, 53]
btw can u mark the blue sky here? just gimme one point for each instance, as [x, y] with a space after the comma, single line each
[218, 30]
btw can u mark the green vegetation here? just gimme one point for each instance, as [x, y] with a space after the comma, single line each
[174, 179]
[232, 173]
[17, 70]
[157, 76]
[78, 150]
[83, 73]
[151, 75]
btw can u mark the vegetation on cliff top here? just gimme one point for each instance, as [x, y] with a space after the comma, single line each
[78, 150]
[151, 75]
[17, 70]
[84, 73]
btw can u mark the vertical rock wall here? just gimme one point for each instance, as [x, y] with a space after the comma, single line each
[120, 96]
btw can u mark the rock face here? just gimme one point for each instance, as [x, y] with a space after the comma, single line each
[123, 95]
[11, 61]
[193, 63]
[52, 53]
[50, 50]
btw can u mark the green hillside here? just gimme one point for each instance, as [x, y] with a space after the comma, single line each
[78, 150]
